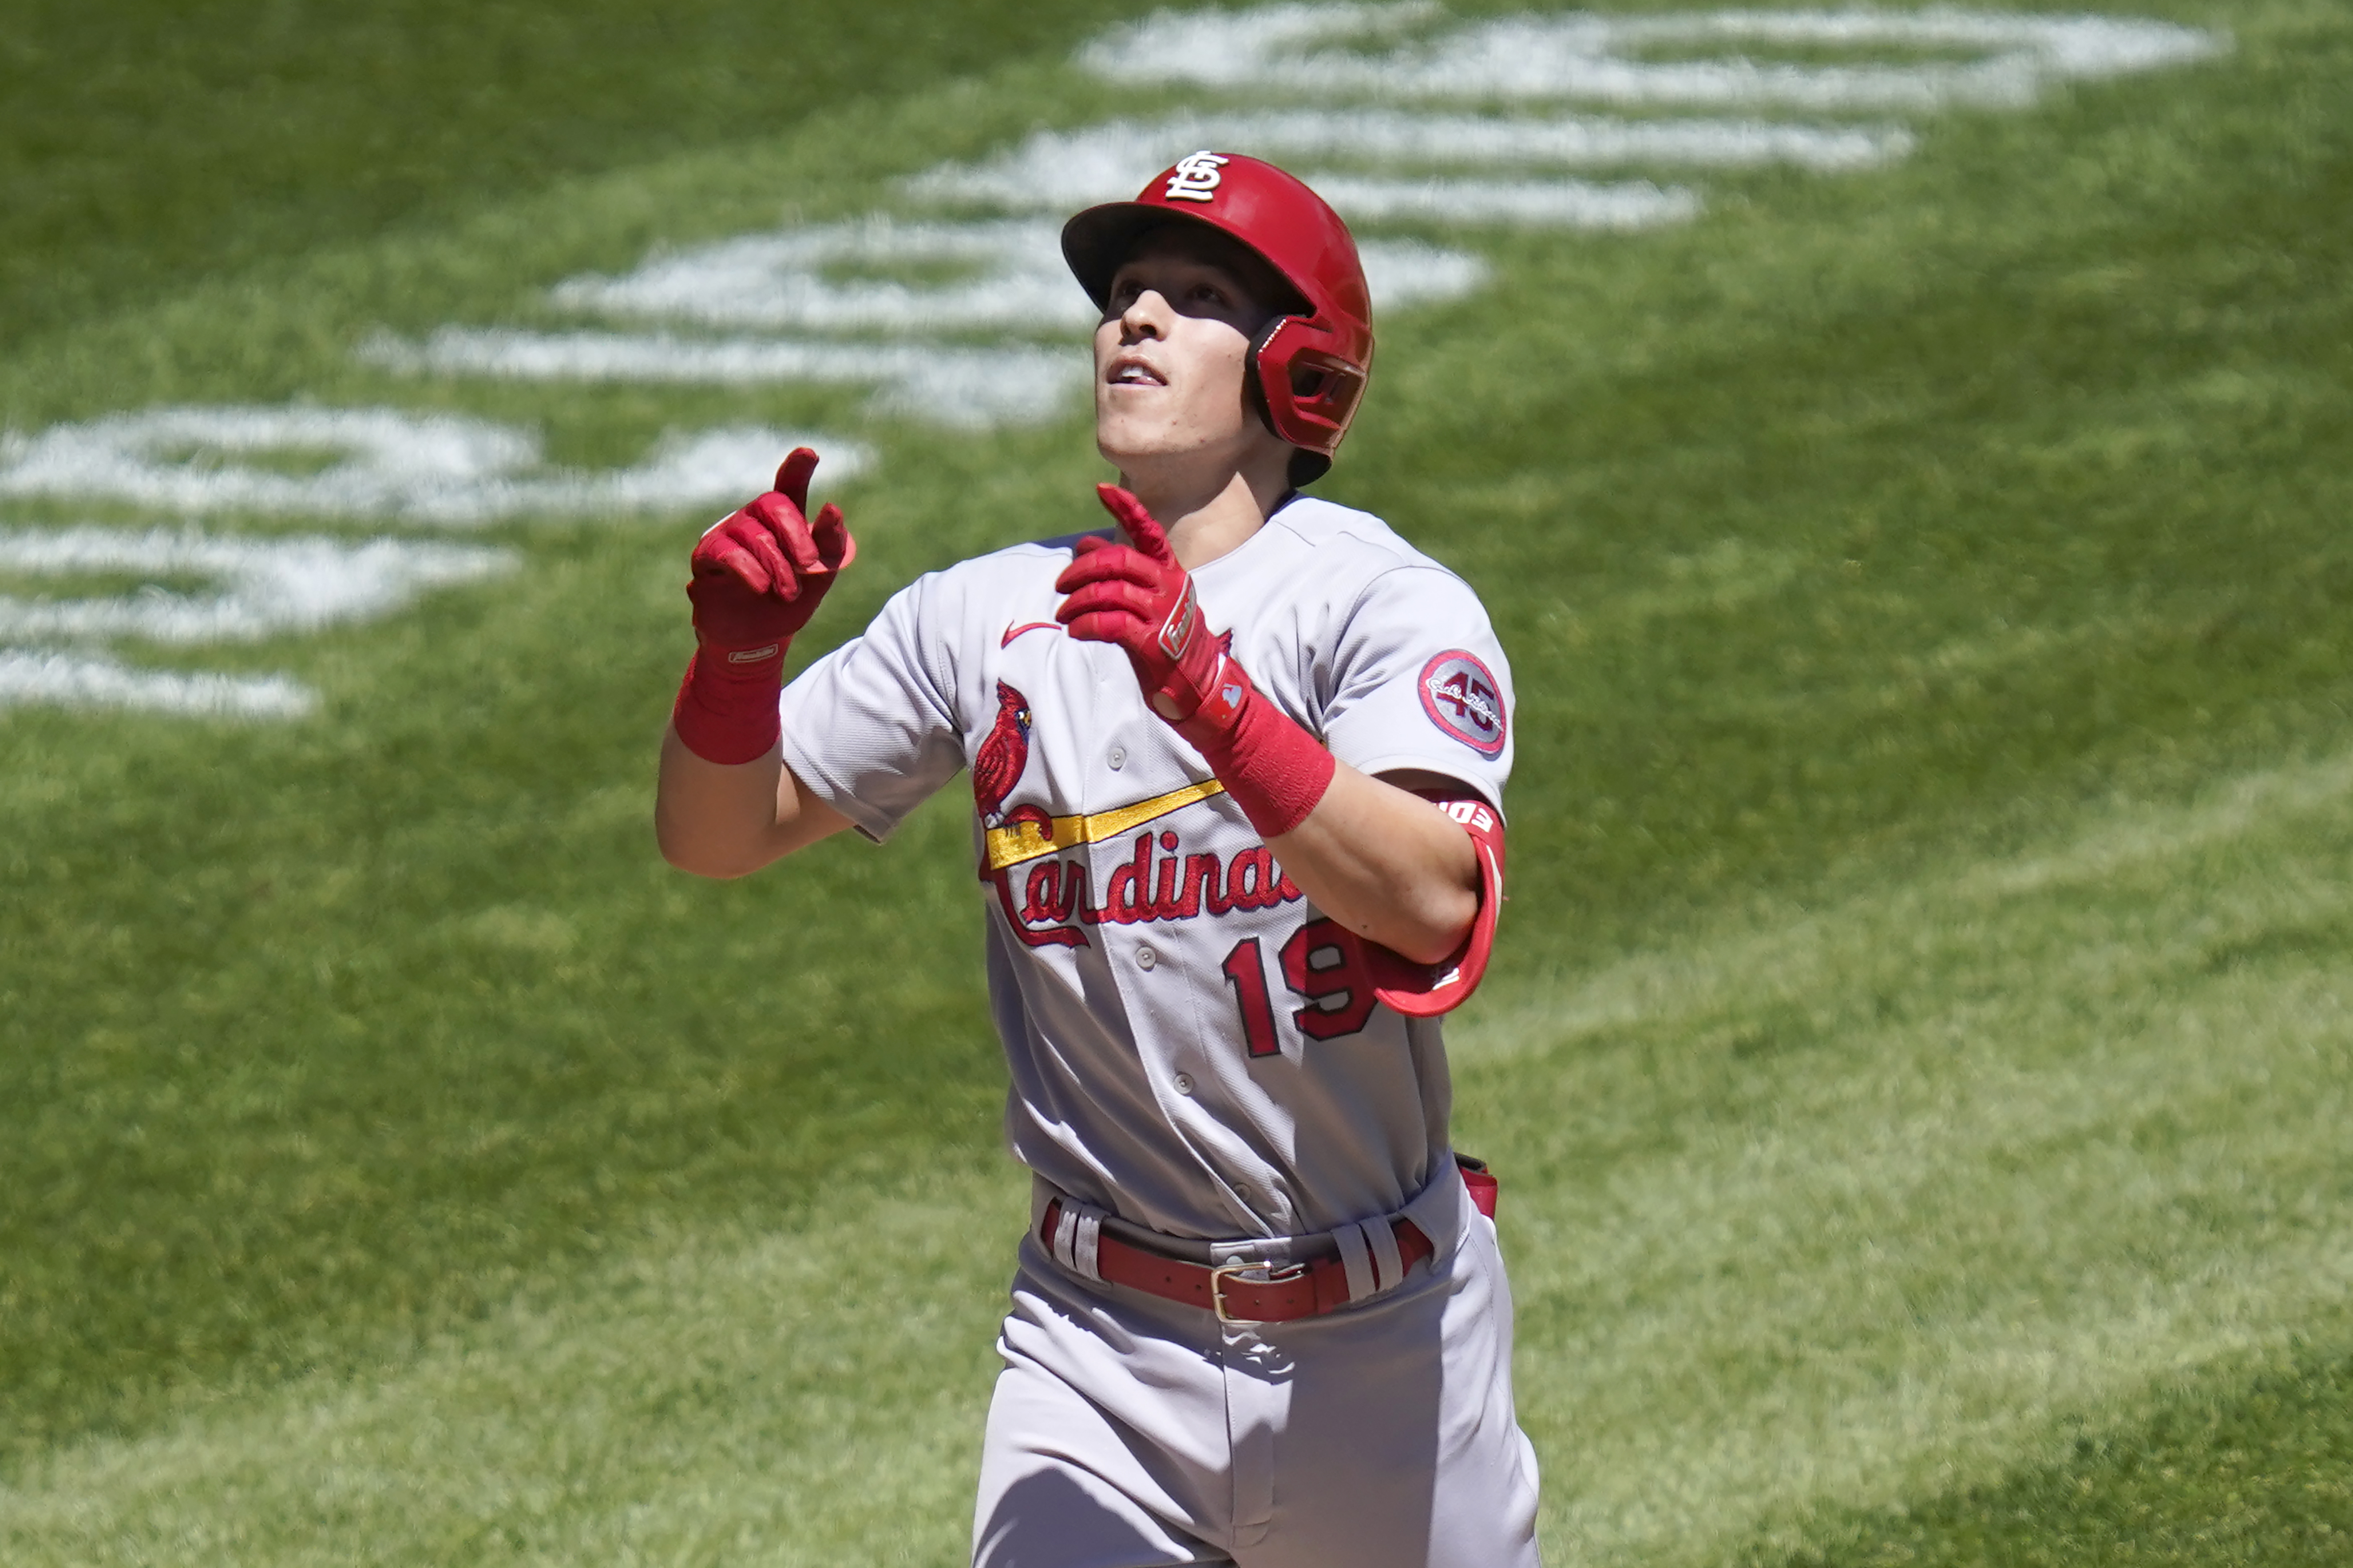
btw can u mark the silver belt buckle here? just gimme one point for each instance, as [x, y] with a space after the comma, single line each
[1286, 1275]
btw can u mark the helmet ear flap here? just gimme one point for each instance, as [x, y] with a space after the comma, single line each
[1254, 375]
[1307, 392]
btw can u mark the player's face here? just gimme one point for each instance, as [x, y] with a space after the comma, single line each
[1172, 354]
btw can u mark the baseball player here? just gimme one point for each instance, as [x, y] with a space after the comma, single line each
[1238, 767]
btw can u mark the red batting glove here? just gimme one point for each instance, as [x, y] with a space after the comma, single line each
[758, 576]
[1137, 596]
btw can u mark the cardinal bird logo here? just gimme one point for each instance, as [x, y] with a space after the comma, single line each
[1003, 756]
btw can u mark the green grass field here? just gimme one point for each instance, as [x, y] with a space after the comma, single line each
[1920, 1050]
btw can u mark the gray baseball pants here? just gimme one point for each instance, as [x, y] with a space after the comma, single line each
[1129, 1432]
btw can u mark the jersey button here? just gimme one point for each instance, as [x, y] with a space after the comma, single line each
[1184, 1081]
[1118, 758]
[1146, 958]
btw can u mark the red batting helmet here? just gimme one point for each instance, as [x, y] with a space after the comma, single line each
[1310, 367]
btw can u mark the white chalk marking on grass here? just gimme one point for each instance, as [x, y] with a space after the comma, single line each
[2081, 47]
[1058, 169]
[267, 587]
[1019, 280]
[1586, 55]
[1407, 272]
[1399, 272]
[915, 278]
[958, 387]
[29, 676]
[1535, 204]
[1014, 276]
[385, 463]
[1229, 47]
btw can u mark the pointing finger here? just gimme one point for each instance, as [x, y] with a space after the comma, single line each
[1137, 522]
[793, 476]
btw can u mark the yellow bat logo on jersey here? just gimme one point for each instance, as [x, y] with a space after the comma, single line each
[1029, 837]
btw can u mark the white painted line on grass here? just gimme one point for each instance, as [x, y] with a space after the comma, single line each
[1018, 280]
[1055, 171]
[1013, 276]
[960, 387]
[438, 469]
[949, 281]
[1590, 56]
[267, 587]
[954, 386]
[1533, 204]
[29, 676]
[1400, 272]
[2079, 46]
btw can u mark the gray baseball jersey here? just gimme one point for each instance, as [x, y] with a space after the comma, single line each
[1190, 1046]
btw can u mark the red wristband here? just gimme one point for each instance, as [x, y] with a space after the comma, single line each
[1274, 769]
[726, 708]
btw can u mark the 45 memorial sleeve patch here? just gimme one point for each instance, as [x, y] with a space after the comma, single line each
[1461, 697]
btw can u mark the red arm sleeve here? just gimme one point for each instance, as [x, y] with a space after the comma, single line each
[1426, 989]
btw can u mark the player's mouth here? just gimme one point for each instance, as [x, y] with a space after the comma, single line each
[1128, 370]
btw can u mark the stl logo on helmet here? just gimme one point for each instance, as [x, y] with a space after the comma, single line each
[1195, 178]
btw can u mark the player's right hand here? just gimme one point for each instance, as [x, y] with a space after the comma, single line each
[759, 573]
[1139, 597]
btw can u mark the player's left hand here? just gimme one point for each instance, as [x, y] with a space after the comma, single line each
[1137, 596]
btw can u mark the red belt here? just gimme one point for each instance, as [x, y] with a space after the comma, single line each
[1291, 1291]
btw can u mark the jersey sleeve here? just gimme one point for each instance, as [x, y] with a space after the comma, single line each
[1419, 681]
[872, 727]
